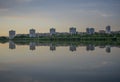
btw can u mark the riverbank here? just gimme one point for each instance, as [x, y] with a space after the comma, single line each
[93, 38]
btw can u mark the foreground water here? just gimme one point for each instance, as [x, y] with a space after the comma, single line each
[59, 63]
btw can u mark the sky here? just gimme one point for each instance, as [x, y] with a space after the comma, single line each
[22, 15]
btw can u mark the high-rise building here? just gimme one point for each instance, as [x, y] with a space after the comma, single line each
[12, 34]
[52, 31]
[90, 30]
[108, 29]
[32, 33]
[87, 30]
[73, 30]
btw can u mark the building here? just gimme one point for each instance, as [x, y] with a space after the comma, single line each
[52, 31]
[42, 34]
[115, 32]
[73, 30]
[102, 31]
[19, 35]
[32, 33]
[90, 30]
[87, 30]
[108, 29]
[12, 34]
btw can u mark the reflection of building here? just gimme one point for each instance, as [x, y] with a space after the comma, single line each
[108, 49]
[11, 34]
[52, 47]
[12, 45]
[32, 33]
[90, 30]
[90, 47]
[73, 30]
[108, 29]
[52, 31]
[72, 48]
[32, 45]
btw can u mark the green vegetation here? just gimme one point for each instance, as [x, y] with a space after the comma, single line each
[75, 37]
[3, 39]
[66, 38]
[77, 43]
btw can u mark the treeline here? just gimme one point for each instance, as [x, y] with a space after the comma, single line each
[74, 37]
[68, 37]
[3, 39]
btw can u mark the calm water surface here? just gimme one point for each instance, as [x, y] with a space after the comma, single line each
[50, 63]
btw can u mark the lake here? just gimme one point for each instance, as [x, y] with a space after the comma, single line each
[49, 62]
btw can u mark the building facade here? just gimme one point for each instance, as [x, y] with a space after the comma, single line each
[90, 30]
[102, 31]
[108, 29]
[32, 33]
[73, 30]
[52, 31]
[12, 34]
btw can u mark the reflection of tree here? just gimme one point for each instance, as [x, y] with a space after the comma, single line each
[12, 45]
[3, 39]
[32, 45]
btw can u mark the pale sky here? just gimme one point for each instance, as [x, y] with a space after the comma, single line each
[22, 15]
